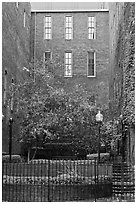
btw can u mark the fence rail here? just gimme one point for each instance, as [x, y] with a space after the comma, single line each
[56, 180]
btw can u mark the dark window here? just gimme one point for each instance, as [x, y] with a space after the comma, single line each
[47, 56]
[91, 63]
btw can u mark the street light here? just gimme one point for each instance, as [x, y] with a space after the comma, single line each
[11, 119]
[99, 119]
[10, 136]
[2, 117]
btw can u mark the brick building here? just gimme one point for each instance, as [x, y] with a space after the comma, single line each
[122, 71]
[15, 56]
[75, 36]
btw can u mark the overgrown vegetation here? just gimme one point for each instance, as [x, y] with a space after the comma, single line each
[124, 66]
[46, 112]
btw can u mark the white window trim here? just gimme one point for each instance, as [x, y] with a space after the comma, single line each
[94, 64]
[94, 28]
[68, 76]
[72, 34]
[44, 28]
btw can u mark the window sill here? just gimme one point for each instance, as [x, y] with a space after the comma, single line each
[91, 76]
[68, 76]
[68, 39]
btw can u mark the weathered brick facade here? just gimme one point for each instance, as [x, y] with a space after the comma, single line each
[122, 66]
[15, 56]
[79, 45]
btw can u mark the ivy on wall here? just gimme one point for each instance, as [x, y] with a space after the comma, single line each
[123, 101]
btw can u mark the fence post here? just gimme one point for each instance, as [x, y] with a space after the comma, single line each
[95, 180]
[49, 180]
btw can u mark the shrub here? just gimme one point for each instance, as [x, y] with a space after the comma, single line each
[104, 157]
[14, 158]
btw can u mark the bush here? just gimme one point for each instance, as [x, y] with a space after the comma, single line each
[14, 158]
[104, 157]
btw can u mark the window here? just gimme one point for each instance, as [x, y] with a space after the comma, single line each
[47, 56]
[24, 18]
[47, 27]
[68, 64]
[68, 28]
[91, 27]
[91, 64]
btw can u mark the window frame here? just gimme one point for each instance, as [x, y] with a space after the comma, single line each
[69, 28]
[92, 28]
[91, 76]
[47, 27]
[65, 64]
[47, 51]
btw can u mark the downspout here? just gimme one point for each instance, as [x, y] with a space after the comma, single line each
[35, 47]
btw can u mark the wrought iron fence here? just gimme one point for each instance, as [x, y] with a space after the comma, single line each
[56, 180]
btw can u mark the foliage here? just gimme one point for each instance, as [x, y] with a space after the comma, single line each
[104, 157]
[123, 101]
[46, 112]
[14, 158]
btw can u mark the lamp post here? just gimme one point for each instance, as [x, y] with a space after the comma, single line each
[10, 136]
[11, 119]
[99, 119]
[2, 117]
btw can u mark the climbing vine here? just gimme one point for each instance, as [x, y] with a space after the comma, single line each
[123, 101]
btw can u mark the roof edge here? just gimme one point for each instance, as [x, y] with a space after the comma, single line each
[69, 11]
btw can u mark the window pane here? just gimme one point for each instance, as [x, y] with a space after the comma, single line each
[68, 19]
[68, 29]
[91, 33]
[47, 24]
[68, 25]
[68, 65]
[91, 66]
[47, 56]
[68, 70]
[67, 54]
[91, 27]
[69, 36]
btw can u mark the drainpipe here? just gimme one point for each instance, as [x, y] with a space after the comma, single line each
[35, 47]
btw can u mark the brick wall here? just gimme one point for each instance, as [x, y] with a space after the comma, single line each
[15, 56]
[122, 66]
[79, 46]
